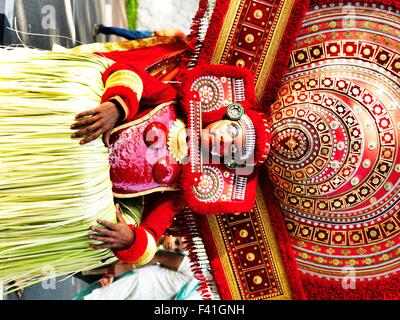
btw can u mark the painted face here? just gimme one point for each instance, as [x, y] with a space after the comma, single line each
[174, 244]
[223, 138]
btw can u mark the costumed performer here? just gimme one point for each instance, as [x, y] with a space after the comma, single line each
[198, 134]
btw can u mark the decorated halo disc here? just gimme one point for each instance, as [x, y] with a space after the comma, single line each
[335, 160]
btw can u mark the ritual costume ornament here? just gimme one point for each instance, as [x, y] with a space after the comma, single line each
[219, 101]
[213, 159]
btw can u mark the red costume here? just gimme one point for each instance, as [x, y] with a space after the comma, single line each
[150, 150]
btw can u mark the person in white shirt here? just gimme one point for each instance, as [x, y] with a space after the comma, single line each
[167, 277]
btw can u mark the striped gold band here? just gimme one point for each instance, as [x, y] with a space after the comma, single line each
[128, 79]
[149, 253]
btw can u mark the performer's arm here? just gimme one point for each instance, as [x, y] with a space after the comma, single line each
[132, 87]
[151, 230]
[138, 245]
[125, 88]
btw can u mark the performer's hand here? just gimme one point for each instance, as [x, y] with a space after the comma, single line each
[100, 120]
[115, 236]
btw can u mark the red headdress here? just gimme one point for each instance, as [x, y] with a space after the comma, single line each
[209, 94]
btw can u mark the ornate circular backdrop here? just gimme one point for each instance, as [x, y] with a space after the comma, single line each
[335, 152]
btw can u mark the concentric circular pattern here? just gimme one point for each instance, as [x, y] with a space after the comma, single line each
[211, 92]
[335, 157]
[292, 143]
[210, 185]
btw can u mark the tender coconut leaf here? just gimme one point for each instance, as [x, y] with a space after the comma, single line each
[51, 188]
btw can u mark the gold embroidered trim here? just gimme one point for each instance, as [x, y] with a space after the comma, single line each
[144, 118]
[125, 45]
[230, 269]
[264, 72]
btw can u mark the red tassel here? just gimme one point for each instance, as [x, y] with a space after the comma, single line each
[374, 289]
